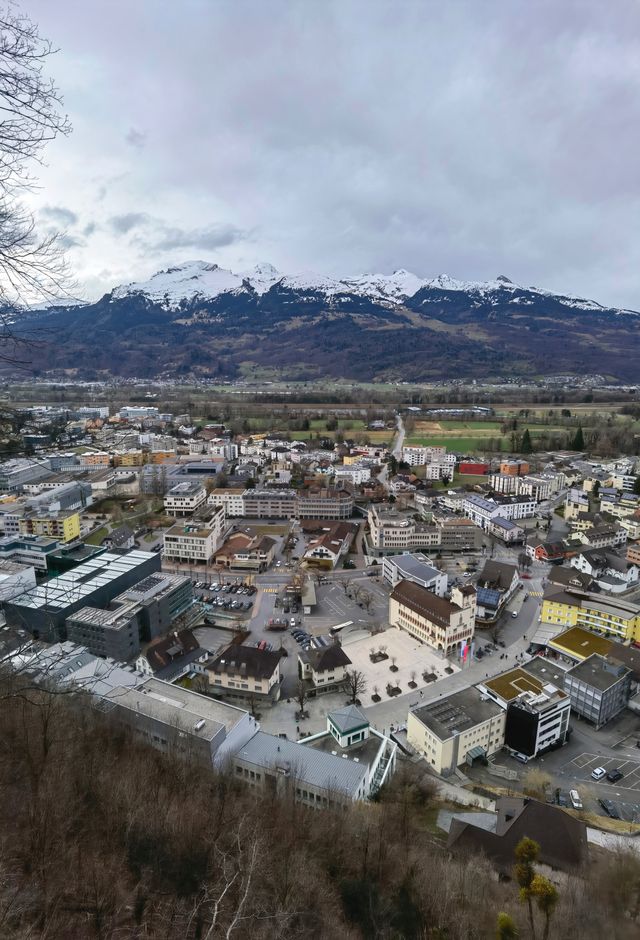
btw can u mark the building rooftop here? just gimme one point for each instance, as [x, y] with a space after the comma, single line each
[305, 764]
[326, 658]
[421, 601]
[581, 643]
[188, 488]
[245, 661]
[599, 672]
[189, 531]
[180, 708]
[497, 575]
[415, 566]
[456, 713]
[82, 581]
[547, 671]
[347, 719]
[520, 682]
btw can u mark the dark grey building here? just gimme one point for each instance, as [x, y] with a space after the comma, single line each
[43, 611]
[599, 688]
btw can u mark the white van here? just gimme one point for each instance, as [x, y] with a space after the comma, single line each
[598, 773]
[574, 796]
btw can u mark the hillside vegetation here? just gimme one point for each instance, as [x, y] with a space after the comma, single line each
[103, 838]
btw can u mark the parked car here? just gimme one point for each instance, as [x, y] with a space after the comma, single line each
[610, 809]
[514, 614]
[574, 796]
[614, 775]
[598, 773]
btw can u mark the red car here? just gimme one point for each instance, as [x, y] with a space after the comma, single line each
[527, 577]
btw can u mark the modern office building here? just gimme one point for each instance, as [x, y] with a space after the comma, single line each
[416, 568]
[599, 688]
[537, 711]
[44, 610]
[184, 498]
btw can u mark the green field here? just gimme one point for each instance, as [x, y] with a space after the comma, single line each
[454, 443]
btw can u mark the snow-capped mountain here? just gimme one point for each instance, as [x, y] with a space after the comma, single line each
[200, 279]
[196, 318]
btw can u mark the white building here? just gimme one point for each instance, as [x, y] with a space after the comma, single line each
[417, 568]
[231, 498]
[354, 473]
[184, 498]
[192, 542]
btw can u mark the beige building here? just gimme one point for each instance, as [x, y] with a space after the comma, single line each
[245, 672]
[456, 730]
[193, 541]
[444, 625]
[391, 531]
[232, 498]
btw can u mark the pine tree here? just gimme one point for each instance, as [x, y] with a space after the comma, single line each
[526, 446]
[578, 440]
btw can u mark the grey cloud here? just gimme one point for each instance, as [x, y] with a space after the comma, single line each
[136, 138]
[125, 223]
[69, 241]
[59, 215]
[205, 239]
[466, 138]
[89, 229]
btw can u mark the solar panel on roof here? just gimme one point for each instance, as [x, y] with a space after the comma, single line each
[487, 596]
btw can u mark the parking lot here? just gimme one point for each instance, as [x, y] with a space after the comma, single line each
[582, 766]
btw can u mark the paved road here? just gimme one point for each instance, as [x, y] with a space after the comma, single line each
[399, 439]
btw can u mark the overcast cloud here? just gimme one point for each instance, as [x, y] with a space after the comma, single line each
[465, 137]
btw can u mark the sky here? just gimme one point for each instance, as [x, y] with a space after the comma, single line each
[460, 137]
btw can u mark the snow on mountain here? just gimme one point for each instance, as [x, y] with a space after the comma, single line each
[199, 279]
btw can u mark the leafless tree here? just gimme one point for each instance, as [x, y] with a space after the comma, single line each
[301, 697]
[355, 685]
[31, 263]
[346, 584]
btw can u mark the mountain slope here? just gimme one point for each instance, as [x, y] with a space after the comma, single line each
[202, 319]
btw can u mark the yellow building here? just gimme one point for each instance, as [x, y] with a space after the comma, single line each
[569, 607]
[161, 456]
[64, 526]
[129, 458]
[95, 459]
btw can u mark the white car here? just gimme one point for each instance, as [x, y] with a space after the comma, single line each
[598, 773]
[574, 796]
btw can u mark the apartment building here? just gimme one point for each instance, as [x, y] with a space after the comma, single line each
[354, 474]
[419, 456]
[231, 498]
[244, 672]
[517, 468]
[193, 543]
[537, 712]
[569, 607]
[63, 526]
[184, 498]
[446, 626]
[576, 503]
[324, 503]
[506, 483]
[324, 669]
[457, 730]
[269, 504]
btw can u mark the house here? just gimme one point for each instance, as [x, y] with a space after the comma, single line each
[497, 583]
[506, 530]
[173, 656]
[324, 669]
[576, 502]
[550, 551]
[562, 838]
[446, 626]
[608, 570]
[331, 543]
[244, 672]
[456, 730]
[569, 577]
[121, 537]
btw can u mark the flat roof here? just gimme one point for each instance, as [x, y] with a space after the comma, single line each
[599, 672]
[580, 643]
[513, 683]
[546, 671]
[414, 565]
[178, 707]
[456, 713]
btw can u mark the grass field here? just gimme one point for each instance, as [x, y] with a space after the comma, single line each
[469, 436]
[96, 537]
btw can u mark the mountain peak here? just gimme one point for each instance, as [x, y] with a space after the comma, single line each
[503, 279]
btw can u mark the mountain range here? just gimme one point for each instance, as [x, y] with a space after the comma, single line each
[199, 319]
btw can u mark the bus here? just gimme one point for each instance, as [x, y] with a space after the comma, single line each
[340, 626]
